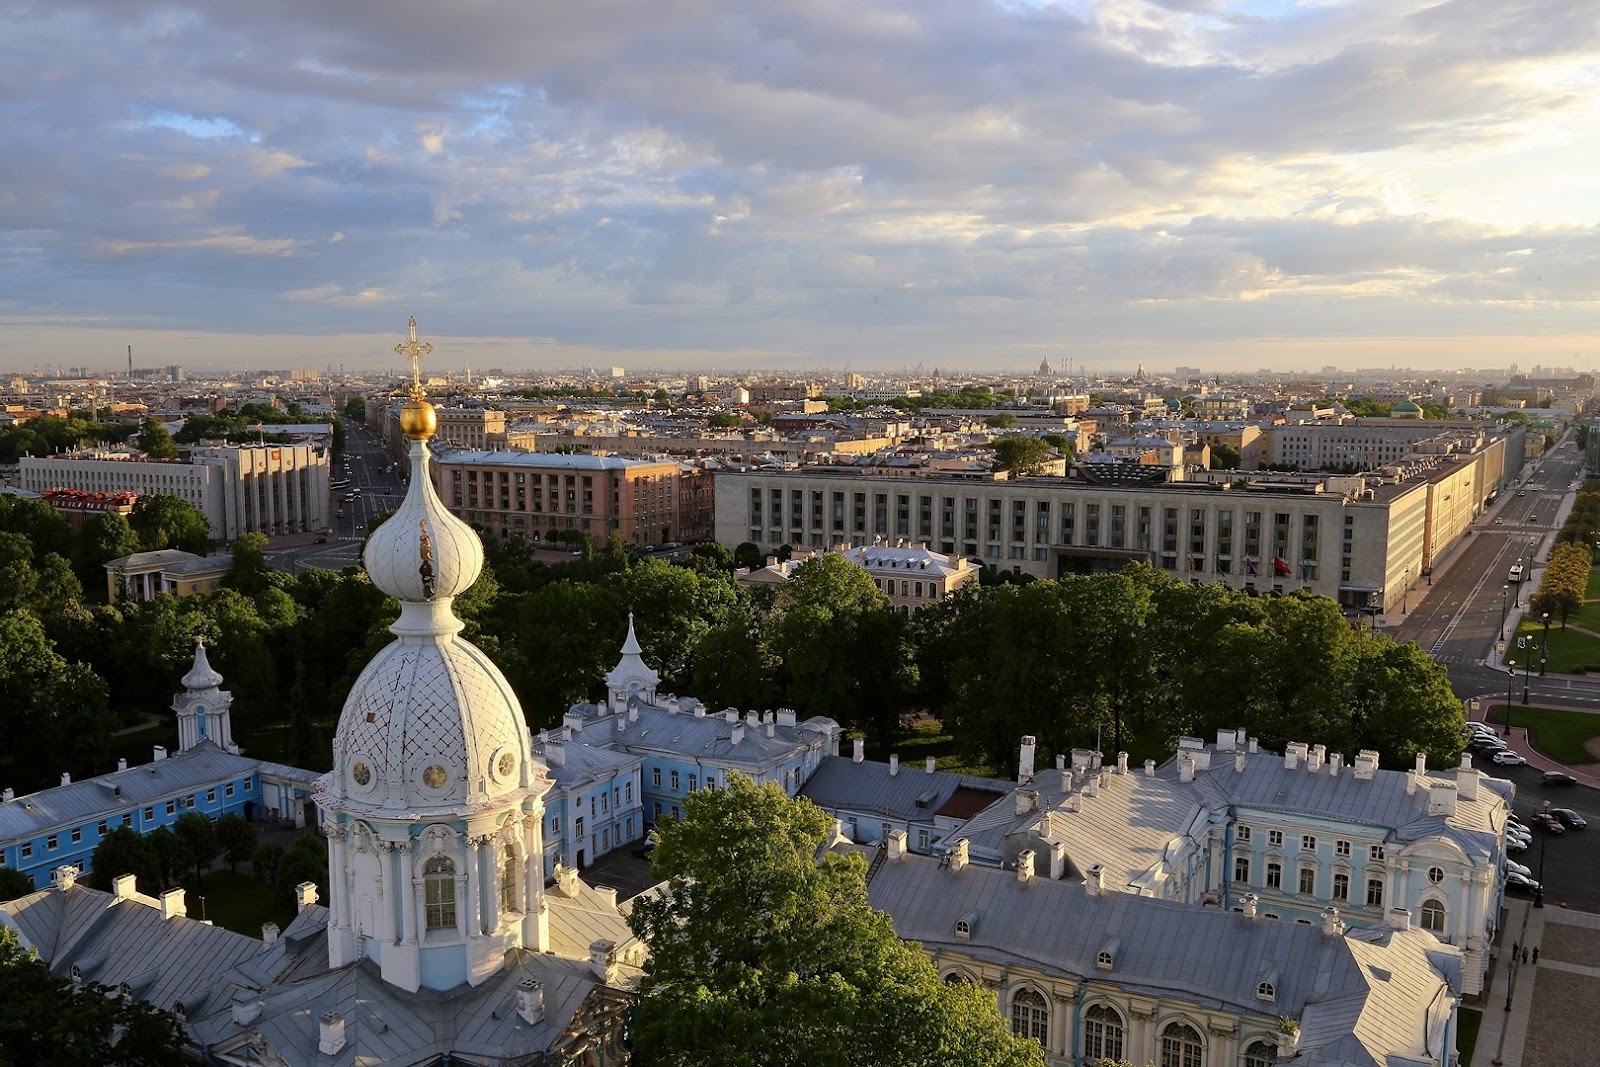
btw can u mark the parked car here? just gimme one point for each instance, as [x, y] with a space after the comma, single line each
[1516, 868]
[1507, 758]
[649, 846]
[1516, 844]
[1570, 818]
[1559, 778]
[1549, 824]
[1521, 883]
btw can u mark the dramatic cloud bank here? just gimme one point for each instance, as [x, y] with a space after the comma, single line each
[828, 182]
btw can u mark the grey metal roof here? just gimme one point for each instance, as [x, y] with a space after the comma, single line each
[912, 794]
[685, 735]
[84, 801]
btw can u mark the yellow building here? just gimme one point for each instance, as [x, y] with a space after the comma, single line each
[143, 575]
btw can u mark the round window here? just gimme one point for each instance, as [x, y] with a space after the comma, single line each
[361, 773]
[434, 777]
[1435, 875]
[505, 764]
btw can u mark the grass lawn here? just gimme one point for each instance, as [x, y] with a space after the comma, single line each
[927, 738]
[1592, 592]
[1467, 1034]
[1569, 649]
[1558, 734]
[238, 902]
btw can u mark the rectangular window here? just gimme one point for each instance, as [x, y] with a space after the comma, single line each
[578, 828]
[675, 780]
[227, 790]
[1308, 881]
[127, 818]
[1274, 876]
[50, 843]
[711, 784]
[1275, 838]
[172, 806]
[605, 801]
[1374, 892]
[102, 828]
[694, 782]
[1091, 524]
[922, 840]
[1244, 833]
[77, 835]
[627, 791]
[1374, 852]
[655, 776]
[605, 839]
[27, 851]
[1341, 887]
[150, 814]
[211, 796]
[1341, 848]
[1308, 843]
[1241, 869]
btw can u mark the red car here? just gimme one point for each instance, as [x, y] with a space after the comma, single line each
[1549, 823]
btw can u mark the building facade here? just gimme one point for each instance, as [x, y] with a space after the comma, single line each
[909, 574]
[145, 575]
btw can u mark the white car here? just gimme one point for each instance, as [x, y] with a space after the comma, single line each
[1481, 728]
[1516, 844]
[1516, 868]
[1521, 881]
[1508, 759]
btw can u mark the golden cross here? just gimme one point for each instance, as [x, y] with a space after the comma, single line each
[412, 350]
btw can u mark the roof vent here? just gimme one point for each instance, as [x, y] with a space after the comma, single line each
[330, 1033]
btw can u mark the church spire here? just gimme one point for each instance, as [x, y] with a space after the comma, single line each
[632, 676]
[203, 709]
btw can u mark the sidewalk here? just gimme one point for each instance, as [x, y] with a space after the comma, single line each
[1507, 1037]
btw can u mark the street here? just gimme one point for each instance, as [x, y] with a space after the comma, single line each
[366, 465]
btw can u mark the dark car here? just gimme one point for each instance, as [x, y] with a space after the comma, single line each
[1559, 778]
[1570, 818]
[319, 541]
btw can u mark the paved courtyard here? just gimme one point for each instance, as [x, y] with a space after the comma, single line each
[1565, 984]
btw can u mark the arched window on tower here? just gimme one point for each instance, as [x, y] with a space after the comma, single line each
[1102, 1033]
[1030, 1015]
[1433, 916]
[508, 881]
[1181, 1046]
[439, 893]
[1260, 1054]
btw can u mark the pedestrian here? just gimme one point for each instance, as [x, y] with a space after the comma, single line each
[1524, 955]
[1536, 954]
[1516, 950]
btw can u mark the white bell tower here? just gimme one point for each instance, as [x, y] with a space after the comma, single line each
[632, 676]
[204, 711]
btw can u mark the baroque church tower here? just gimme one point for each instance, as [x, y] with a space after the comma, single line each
[434, 807]
[204, 709]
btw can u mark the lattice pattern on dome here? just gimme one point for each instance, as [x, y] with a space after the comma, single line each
[419, 704]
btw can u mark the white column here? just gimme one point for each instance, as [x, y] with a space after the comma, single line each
[474, 901]
[336, 886]
[488, 853]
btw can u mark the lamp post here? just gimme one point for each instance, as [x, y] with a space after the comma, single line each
[1511, 680]
[1544, 834]
[1544, 650]
[1405, 591]
[1504, 589]
[1527, 669]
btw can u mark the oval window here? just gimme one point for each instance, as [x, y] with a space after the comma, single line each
[505, 764]
[361, 773]
[434, 777]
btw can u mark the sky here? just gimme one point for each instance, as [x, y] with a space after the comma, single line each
[812, 185]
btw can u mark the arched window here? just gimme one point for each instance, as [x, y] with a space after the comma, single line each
[1266, 991]
[1181, 1047]
[957, 978]
[1102, 1033]
[1030, 1016]
[508, 882]
[1260, 1054]
[439, 893]
[1433, 916]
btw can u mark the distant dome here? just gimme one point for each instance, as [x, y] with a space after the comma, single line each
[1406, 410]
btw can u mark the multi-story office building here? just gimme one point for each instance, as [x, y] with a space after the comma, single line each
[1367, 443]
[270, 489]
[532, 494]
[1364, 541]
[471, 428]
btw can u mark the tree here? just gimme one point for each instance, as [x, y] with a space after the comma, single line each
[249, 573]
[14, 884]
[105, 537]
[760, 954]
[197, 840]
[724, 420]
[155, 442]
[1020, 453]
[52, 1021]
[1224, 457]
[236, 839]
[125, 851]
[163, 521]
[1061, 443]
[748, 555]
[265, 861]
[168, 857]
[1003, 421]
[305, 860]
[355, 409]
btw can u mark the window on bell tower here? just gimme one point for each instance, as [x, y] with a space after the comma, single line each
[508, 882]
[439, 893]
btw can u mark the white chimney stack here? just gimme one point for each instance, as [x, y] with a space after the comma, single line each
[1250, 903]
[246, 1007]
[122, 764]
[1411, 783]
[530, 1001]
[123, 887]
[1149, 768]
[1026, 801]
[66, 778]
[738, 733]
[1422, 763]
[1122, 763]
[1335, 762]
[7, 795]
[1025, 866]
[860, 750]
[1239, 759]
[555, 753]
[603, 960]
[269, 934]
[160, 752]
[172, 906]
[305, 895]
[1318, 754]
[330, 1033]
[1466, 778]
[1058, 859]
[1225, 740]
[1025, 761]
[894, 764]
[928, 763]
[897, 844]
[1185, 768]
[958, 855]
[1366, 765]
[566, 880]
[1331, 926]
[1094, 880]
[1251, 746]
[1400, 918]
[1441, 798]
[64, 876]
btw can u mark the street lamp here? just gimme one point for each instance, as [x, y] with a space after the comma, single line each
[1544, 651]
[1504, 589]
[1511, 679]
[1527, 669]
[1544, 834]
[1405, 591]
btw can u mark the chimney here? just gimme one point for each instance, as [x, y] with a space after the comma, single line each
[1466, 779]
[530, 1001]
[860, 750]
[772, 728]
[1027, 800]
[1025, 761]
[269, 934]
[1185, 768]
[555, 754]
[1411, 783]
[1441, 798]
[305, 896]
[1122, 763]
[330, 1033]
[1239, 759]
[1318, 754]
[607, 895]
[572, 720]
[1293, 753]
[1149, 768]
[894, 764]
[566, 880]
[1335, 762]
[633, 712]
[1025, 866]
[1252, 746]
[1331, 926]
[738, 733]
[1058, 859]
[1091, 787]
[66, 778]
[772, 561]
[64, 876]
[622, 723]
[1366, 765]
[958, 856]
[1225, 740]
[929, 764]
[172, 906]
[160, 752]
[785, 716]
[8, 795]
[246, 1007]
[1249, 903]
[123, 887]
[1094, 881]
[603, 961]
[122, 764]
[1400, 918]
[897, 844]
[1422, 763]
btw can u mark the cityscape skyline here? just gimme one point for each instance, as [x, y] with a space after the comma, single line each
[1228, 185]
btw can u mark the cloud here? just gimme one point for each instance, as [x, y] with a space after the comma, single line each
[862, 181]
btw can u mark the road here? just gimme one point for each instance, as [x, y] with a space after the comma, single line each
[367, 466]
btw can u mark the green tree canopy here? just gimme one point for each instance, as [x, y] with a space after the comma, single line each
[163, 521]
[760, 955]
[14, 884]
[1020, 453]
[155, 442]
